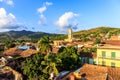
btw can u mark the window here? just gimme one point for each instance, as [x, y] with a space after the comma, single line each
[112, 54]
[112, 64]
[103, 63]
[103, 54]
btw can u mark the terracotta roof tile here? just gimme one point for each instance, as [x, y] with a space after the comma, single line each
[115, 38]
[28, 53]
[93, 72]
[112, 42]
[13, 52]
[113, 73]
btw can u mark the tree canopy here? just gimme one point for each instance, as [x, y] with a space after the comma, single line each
[69, 57]
[44, 45]
[31, 66]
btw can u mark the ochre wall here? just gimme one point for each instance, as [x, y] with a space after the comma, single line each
[108, 59]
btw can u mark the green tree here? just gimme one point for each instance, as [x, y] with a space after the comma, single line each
[84, 39]
[86, 50]
[31, 67]
[39, 66]
[89, 50]
[44, 45]
[50, 64]
[69, 57]
[9, 44]
[93, 49]
[97, 41]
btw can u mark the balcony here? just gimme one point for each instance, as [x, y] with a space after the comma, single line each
[109, 57]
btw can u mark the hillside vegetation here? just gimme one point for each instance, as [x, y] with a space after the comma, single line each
[97, 31]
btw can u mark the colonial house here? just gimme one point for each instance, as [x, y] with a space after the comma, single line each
[108, 55]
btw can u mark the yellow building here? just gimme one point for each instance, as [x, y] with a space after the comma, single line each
[58, 42]
[108, 56]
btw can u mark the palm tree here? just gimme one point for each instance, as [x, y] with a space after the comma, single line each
[50, 64]
[44, 46]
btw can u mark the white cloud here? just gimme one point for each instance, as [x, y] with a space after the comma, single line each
[63, 21]
[41, 10]
[48, 3]
[8, 21]
[9, 2]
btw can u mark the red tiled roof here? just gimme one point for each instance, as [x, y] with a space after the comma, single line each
[13, 52]
[28, 53]
[113, 73]
[115, 38]
[93, 72]
[112, 42]
[110, 47]
[90, 72]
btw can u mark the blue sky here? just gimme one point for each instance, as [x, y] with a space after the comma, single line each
[55, 16]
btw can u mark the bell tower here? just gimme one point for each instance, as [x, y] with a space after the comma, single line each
[70, 36]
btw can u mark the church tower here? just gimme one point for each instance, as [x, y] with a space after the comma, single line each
[70, 36]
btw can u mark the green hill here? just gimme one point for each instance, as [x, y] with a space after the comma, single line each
[12, 35]
[97, 31]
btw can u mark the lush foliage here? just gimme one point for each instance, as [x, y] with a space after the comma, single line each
[96, 32]
[89, 50]
[84, 39]
[44, 46]
[69, 57]
[97, 41]
[31, 67]
[58, 37]
[9, 44]
[40, 66]
[50, 64]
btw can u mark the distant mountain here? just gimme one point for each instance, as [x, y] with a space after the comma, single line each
[11, 35]
[16, 34]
